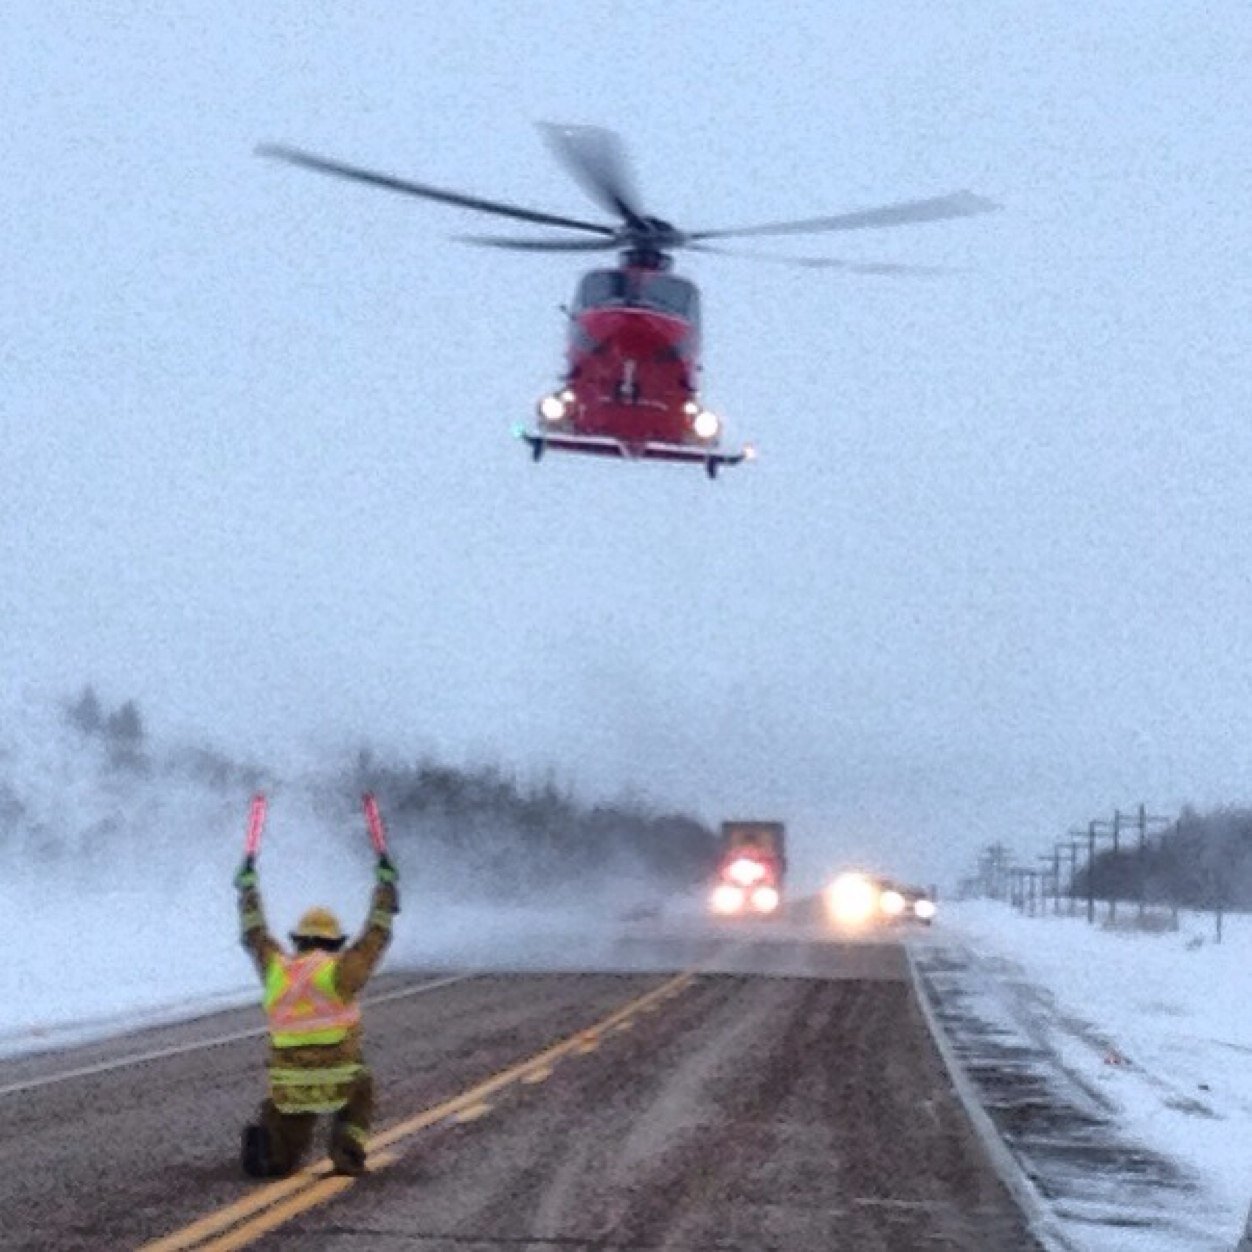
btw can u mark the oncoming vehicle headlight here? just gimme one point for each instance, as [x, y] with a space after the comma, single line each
[727, 898]
[891, 903]
[552, 408]
[851, 899]
[925, 909]
[764, 898]
[706, 424]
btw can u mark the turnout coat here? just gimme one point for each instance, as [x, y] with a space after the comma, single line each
[315, 1059]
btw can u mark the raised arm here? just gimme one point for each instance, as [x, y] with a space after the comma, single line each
[253, 932]
[360, 960]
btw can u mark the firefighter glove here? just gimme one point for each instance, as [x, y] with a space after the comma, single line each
[245, 877]
[385, 872]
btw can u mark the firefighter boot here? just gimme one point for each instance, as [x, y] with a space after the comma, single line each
[347, 1147]
[350, 1128]
[255, 1157]
[274, 1146]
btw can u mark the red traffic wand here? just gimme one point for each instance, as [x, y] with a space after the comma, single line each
[374, 820]
[256, 824]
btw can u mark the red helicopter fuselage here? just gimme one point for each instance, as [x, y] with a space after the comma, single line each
[632, 366]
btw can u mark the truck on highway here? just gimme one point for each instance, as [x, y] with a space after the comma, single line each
[751, 866]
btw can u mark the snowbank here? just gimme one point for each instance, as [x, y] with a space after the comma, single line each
[1161, 1023]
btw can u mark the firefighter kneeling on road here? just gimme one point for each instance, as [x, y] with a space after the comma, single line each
[310, 1000]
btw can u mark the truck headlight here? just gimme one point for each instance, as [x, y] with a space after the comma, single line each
[925, 909]
[743, 871]
[727, 898]
[764, 898]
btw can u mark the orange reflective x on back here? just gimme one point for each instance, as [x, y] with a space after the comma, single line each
[302, 1004]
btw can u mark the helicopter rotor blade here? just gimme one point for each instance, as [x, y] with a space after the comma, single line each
[935, 209]
[539, 245]
[597, 160]
[309, 160]
[829, 263]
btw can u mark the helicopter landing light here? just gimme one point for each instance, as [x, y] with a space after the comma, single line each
[552, 408]
[706, 424]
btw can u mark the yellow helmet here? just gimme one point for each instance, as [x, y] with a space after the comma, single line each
[319, 923]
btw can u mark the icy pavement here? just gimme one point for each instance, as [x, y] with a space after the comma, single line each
[1116, 1067]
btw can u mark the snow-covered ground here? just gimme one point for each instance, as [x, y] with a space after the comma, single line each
[1144, 1039]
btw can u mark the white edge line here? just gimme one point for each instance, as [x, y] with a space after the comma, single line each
[1042, 1223]
[140, 1058]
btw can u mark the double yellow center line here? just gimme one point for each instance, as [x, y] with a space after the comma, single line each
[239, 1224]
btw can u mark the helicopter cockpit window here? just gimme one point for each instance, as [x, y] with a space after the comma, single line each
[639, 289]
[671, 295]
[600, 288]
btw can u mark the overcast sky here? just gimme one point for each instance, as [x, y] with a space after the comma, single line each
[990, 576]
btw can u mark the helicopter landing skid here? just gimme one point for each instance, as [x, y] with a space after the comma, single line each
[596, 445]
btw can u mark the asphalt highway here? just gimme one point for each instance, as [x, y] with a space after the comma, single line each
[746, 1090]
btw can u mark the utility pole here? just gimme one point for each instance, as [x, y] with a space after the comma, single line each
[1074, 845]
[1092, 831]
[998, 858]
[1053, 872]
[1174, 890]
[1117, 832]
[1091, 838]
[1023, 888]
[994, 870]
[1056, 878]
[1144, 818]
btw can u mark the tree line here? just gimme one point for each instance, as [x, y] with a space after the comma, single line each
[1203, 860]
[486, 829]
[481, 829]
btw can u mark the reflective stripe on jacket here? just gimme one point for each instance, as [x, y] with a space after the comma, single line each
[325, 1089]
[302, 1002]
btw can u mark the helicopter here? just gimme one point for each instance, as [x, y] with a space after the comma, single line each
[630, 389]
